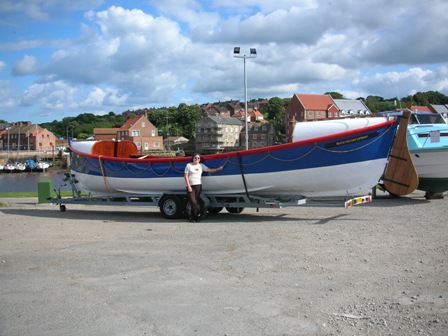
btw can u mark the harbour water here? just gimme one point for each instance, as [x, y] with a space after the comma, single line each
[27, 182]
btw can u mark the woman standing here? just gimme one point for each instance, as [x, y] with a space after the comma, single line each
[192, 175]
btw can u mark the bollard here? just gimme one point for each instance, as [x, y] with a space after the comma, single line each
[44, 188]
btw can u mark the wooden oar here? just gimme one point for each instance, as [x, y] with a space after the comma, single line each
[401, 177]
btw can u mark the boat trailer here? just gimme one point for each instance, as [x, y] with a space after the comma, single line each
[174, 205]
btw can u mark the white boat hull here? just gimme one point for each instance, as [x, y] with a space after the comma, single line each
[431, 163]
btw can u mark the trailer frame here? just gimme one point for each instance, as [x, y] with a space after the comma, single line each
[174, 204]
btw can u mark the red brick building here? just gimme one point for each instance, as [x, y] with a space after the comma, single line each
[309, 107]
[27, 136]
[142, 132]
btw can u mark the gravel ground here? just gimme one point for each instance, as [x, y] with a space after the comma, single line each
[374, 269]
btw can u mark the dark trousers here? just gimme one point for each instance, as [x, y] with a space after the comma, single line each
[194, 197]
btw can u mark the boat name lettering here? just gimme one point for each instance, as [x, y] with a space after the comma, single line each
[351, 140]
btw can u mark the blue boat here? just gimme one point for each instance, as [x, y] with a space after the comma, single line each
[344, 157]
[427, 136]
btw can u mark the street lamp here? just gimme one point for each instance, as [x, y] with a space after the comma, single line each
[253, 54]
[68, 140]
[8, 127]
[167, 131]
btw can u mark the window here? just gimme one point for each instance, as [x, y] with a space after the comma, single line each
[254, 137]
[138, 144]
[153, 132]
[143, 124]
[330, 114]
[135, 133]
[157, 144]
[263, 136]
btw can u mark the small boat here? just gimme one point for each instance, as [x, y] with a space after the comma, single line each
[9, 167]
[41, 166]
[30, 165]
[348, 157]
[427, 137]
[20, 167]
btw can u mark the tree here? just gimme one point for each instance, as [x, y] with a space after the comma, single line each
[427, 98]
[188, 118]
[335, 95]
[275, 112]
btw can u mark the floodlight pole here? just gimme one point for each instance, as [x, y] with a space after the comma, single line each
[8, 128]
[253, 54]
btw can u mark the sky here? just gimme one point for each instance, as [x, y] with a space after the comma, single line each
[61, 58]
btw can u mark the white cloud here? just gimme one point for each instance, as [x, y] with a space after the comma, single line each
[6, 96]
[95, 97]
[20, 45]
[181, 51]
[98, 97]
[51, 96]
[25, 66]
[401, 84]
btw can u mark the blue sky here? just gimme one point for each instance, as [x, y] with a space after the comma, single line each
[62, 58]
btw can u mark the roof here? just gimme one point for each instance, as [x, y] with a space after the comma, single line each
[226, 120]
[347, 105]
[105, 130]
[440, 108]
[176, 139]
[21, 128]
[420, 108]
[129, 123]
[315, 101]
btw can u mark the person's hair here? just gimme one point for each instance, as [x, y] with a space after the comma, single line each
[195, 154]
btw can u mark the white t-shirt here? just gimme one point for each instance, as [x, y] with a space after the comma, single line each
[194, 172]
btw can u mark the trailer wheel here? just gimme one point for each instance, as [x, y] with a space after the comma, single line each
[235, 210]
[62, 208]
[171, 207]
[203, 211]
[215, 210]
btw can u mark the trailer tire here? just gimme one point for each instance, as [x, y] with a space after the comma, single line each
[235, 210]
[215, 210]
[171, 207]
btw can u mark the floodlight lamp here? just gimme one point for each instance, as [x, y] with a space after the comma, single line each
[236, 50]
[253, 52]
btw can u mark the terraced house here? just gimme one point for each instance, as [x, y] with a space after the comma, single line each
[26, 136]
